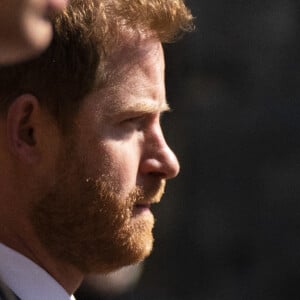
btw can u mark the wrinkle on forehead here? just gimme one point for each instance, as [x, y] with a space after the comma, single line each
[131, 57]
[139, 74]
[134, 49]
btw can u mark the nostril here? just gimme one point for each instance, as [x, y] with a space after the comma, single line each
[158, 174]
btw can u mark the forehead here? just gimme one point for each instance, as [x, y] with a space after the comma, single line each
[137, 79]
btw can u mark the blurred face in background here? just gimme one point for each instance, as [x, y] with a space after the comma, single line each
[25, 29]
[96, 215]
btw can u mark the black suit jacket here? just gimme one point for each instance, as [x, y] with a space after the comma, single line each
[6, 293]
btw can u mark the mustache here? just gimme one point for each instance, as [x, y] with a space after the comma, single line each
[148, 195]
[108, 192]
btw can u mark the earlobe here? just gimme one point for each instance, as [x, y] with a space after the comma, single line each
[22, 120]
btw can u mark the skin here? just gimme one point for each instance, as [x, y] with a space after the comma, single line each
[25, 30]
[93, 177]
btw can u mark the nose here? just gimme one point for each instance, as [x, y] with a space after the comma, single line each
[58, 4]
[158, 159]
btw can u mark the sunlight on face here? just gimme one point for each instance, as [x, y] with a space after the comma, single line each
[96, 215]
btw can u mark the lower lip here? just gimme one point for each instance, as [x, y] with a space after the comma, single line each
[140, 209]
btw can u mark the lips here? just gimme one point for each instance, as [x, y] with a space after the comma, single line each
[141, 208]
[144, 198]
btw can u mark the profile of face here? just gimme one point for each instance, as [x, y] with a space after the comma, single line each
[25, 29]
[95, 212]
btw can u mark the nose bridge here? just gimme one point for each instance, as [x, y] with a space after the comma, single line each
[166, 160]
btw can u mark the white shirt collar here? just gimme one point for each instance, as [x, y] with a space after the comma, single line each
[26, 279]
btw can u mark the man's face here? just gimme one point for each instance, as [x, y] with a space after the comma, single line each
[25, 29]
[96, 213]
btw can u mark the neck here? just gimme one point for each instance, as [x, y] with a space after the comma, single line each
[28, 245]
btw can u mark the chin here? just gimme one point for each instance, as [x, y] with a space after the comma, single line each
[129, 248]
[88, 226]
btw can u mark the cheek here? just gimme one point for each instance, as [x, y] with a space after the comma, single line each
[121, 162]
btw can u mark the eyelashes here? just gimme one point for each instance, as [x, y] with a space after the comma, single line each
[135, 123]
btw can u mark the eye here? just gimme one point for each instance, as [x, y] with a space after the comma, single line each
[135, 122]
[132, 119]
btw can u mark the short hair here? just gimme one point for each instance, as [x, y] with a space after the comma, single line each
[85, 34]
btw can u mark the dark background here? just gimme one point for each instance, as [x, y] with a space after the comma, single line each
[229, 226]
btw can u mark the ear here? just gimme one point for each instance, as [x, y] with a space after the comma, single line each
[22, 121]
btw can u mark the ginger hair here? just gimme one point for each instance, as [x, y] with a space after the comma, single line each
[85, 35]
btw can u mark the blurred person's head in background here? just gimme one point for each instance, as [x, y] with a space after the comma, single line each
[25, 28]
[81, 146]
